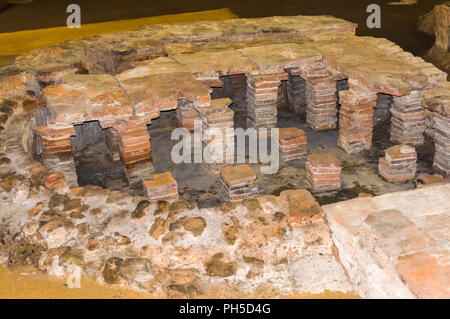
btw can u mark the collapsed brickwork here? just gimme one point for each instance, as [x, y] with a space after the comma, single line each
[125, 80]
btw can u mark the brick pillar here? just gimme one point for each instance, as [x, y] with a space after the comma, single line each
[217, 133]
[135, 151]
[238, 182]
[356, 119]
[321, 100]
[262, 94]
[408, 119]
[399, 163]
[441, 142]
[56, 151]
[323, 172]
[186, 114]
[296, 93]
[162, 187]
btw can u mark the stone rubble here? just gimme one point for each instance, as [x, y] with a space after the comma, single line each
[303, 208]
[399, 163]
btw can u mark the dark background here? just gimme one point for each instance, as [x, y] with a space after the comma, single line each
[398, 23]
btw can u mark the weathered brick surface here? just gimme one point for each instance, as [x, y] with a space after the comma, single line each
[81, 98]
[426, 274]
[152, 93]
[303, 208]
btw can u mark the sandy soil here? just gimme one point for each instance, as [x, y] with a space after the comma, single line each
[29, 283]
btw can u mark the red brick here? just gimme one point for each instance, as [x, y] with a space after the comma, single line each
[426, 274]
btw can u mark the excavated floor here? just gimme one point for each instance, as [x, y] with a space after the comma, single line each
[359, 172]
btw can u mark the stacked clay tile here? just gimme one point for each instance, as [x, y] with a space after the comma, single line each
[442, 142]
[262, 95]
[162, 187]
[398, 164]
[323, 172]
[356, 119]
[408, 119]
[382, 108]
[135, 145]
[186, 114]
[135, 149]
[437, 101]
[218, 134]
[56, 152]
[292, 144]
[238, 182]
[321, 108]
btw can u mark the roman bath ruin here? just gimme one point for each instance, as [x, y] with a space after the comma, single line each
[359, 203]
